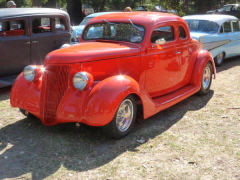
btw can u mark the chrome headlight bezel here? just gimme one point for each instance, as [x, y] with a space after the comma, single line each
[29, 73]
[82, 80]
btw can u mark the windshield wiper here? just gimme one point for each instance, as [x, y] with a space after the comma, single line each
[134, 25]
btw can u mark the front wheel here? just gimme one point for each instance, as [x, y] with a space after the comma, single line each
[123, 120]
[219, 59]
[206, 79]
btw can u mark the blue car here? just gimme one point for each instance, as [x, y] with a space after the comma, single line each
[77, 30]
[219, 34]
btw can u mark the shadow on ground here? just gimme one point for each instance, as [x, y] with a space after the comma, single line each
[229, 63]
[27, 146]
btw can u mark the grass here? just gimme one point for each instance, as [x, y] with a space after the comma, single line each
[197, 139]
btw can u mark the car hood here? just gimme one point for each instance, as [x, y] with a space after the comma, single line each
[92, 51]
[196, 35]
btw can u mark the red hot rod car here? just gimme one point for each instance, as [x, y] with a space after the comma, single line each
[126, 62]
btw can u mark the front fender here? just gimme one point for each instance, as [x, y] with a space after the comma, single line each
[202, 59]
[26, 95]
[97, 105]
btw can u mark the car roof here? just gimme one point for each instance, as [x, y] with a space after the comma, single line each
[218, 18]
[20, 12]
[144, 18]
[98, 14]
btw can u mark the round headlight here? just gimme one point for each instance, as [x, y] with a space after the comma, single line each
[29, 73]
[82, 80]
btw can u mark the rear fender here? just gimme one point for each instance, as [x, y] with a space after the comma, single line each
[203, 58]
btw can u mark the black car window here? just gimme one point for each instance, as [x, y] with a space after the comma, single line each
[226, 27]
[182, 33]
[60, 24]
[41, 25]
[12, 28]
[165, 32]
[235, 25]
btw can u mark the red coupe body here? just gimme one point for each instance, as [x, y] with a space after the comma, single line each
[158, 72]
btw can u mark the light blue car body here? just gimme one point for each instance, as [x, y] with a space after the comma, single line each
[77, 30]
[221, 34]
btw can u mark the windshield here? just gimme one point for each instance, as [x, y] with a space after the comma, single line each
[128, 32]
[203, 26]
[85, 20]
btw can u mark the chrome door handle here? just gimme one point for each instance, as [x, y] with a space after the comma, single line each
[178, 52]
[35, 42]
[27, 42]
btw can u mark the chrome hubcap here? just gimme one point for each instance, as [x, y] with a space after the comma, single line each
[206, 77]
[124, 115]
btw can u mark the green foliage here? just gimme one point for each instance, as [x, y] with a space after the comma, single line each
[19, 3]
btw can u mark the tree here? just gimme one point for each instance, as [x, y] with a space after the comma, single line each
[74, 9]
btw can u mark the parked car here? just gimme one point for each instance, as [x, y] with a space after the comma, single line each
[27, 35]
[219, 34]
[136, 61]
[87, 9]
[141, 8]
[228, 9]
[159, 8]
[76, 31]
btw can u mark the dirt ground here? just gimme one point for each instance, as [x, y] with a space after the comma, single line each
[197, 139]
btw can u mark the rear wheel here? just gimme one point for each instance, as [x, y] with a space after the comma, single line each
[123, 120]
[206, 79]
[219, 59]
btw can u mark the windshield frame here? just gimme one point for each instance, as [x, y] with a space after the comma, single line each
[116, 31]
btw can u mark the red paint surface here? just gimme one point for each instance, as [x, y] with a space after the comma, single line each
[160, 75]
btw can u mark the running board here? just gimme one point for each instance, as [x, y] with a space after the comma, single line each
[165, 101]
[7, 81]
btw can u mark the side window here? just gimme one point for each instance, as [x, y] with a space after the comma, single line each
[238, 8]
[12, 28]
[235, 25]
[165, 32]
[228, 8]
[227, 26]
[182, 33]
[60, 24]
[41, 25]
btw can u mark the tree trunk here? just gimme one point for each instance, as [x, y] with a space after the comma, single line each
[102, 5]
[74, 9]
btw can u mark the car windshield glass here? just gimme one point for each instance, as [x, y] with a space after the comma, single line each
[203, 26]
[85, 21]
[128, 32]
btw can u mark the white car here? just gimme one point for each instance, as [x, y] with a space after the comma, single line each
[77, 30]
[219, 34]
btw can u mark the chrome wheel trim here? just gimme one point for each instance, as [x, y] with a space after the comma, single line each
[206, 77]
[124, 115]
[219, 58]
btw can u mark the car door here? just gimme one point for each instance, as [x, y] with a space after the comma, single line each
[14, 46]
[162, 62]
[234, 36]
[42, 39]
[183, 50]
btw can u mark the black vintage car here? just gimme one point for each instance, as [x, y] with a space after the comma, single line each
[27, 35]
[229, 9]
